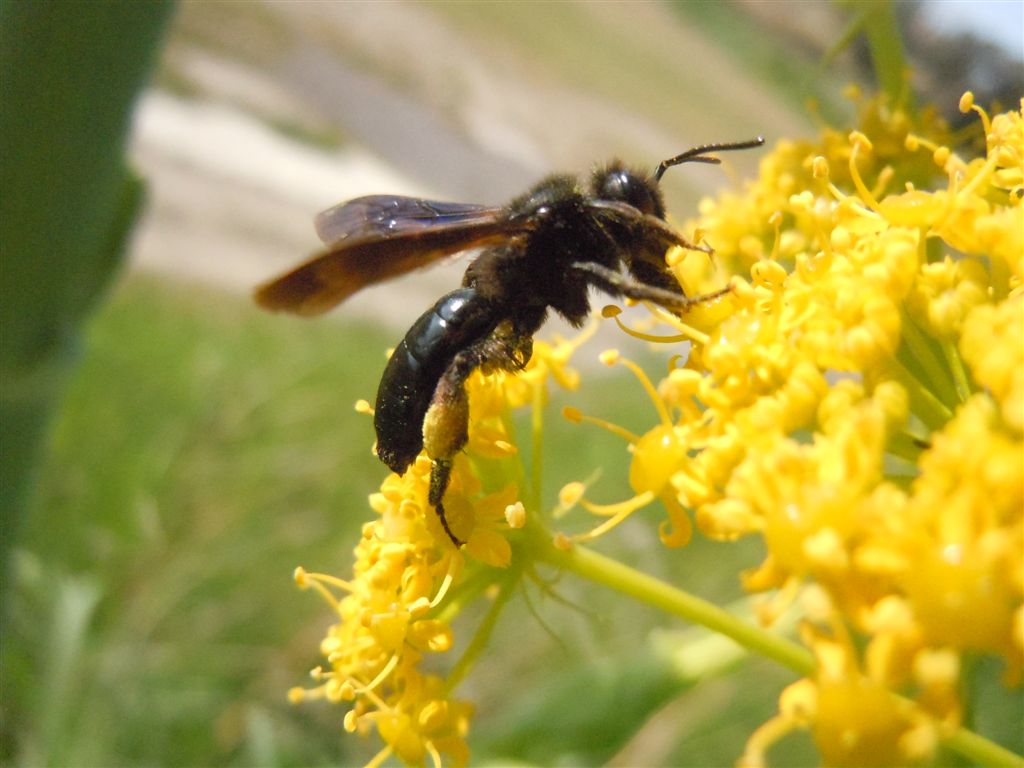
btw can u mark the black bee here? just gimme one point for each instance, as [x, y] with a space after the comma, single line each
[542, 251]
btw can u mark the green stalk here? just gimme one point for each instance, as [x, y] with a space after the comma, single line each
[69, 75]
[647, 589]
[921, 347]
[611, 573]
[923, 402]
[537, 447]
[886, 45]
[483, 633]
[981, 751]
[956, 365]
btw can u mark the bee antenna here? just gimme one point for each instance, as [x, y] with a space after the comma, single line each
[700, 154]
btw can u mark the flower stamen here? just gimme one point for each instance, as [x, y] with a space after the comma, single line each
[378, 760]
[616, 514]
[612, 312]
[578, 417]
[446, 583]
[967, 105]
[318, 581]
[435, 756]
[612, 357]
[357, 688]
[861, 142]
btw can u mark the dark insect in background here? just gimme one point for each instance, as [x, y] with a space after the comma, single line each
[544, 250]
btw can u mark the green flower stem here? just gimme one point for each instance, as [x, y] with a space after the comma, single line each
[906, 446]
[923, 402]
[537, 446]
[981, 751]
[611, 573]
[886, 45]
[483, 634]
[956, 365]
[462, 594]
[922, 349]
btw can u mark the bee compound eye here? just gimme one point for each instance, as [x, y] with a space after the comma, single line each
[625, 186]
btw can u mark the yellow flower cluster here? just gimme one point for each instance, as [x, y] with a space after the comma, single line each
[859, 403]
[390, 613]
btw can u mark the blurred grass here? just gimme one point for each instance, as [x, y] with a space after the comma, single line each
[566, 42]
[202, 452]
[788, 74]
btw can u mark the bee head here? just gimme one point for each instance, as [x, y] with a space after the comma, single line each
[616, 182]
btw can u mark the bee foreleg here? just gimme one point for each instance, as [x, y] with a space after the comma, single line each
[619, 284]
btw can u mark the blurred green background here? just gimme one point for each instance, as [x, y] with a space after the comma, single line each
[185, 452]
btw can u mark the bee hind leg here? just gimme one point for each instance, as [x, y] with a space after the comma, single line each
[440, 474]
[446, 425]
[445, 432]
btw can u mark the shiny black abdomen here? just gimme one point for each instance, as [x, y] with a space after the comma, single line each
[454, 323]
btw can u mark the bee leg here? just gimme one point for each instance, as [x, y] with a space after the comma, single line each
[440, 473]
[446, 425]
[619, 284]
[445, 432]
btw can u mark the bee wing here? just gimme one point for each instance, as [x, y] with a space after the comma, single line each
[382, 214]
[377, 246]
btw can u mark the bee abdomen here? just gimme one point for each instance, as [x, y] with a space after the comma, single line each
[459, 319]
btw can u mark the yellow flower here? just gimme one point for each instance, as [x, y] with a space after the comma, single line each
[857, 402]
[860, 407]
[894, 296]
[989, 345]
[392, 612]
[385, 626]
[963, 579]
[852, 714]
